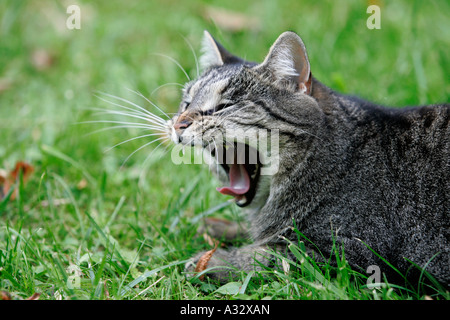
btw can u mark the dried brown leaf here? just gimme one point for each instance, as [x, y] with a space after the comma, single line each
[212, 241]
[42, 59]
[231, 20]
[8, 179]
[5, 84]
[35, 296]
[82, 184]
[4, 295]
[105, 288]
[26, 168]
[202, 263]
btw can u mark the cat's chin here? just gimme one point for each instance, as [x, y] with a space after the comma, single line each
[242, 167]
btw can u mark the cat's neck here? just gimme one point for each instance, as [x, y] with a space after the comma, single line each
[333, 102]
[327, 98]
[319, 91]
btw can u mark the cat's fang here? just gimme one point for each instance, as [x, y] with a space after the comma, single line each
[255, 171]
[241, 200]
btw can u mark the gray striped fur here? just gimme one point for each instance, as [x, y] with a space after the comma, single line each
[351, 171]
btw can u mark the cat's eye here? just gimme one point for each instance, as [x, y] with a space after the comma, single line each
[219, 107]
[185, 105]
[222, 106]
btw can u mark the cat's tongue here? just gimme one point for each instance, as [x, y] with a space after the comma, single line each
[239, 181]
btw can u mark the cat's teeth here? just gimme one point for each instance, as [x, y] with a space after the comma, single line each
[253, 175]
[241, 200]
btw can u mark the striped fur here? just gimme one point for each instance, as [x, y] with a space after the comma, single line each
[352, 172]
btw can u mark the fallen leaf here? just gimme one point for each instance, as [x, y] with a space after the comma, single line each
[42, 59]
[231, 20]
[5, 295]
[5, 84]
[211, 240]
[105, 288]
[374, 2]
[82, 184]
[3, 178]
[202, 263]
[26, 168]
[35, 296]
[8, 179]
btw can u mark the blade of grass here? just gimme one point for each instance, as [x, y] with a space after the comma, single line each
[384, 260]
[147, 274]
[107, 241]
[131, 265]
[246, 281]
[58, 154]
[116, 211]
[5, 200]
[423, 272]
[72, 200]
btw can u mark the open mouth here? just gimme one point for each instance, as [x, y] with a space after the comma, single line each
[243, 167]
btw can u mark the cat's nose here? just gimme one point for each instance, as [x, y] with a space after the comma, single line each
[181, 125]
[178, 129]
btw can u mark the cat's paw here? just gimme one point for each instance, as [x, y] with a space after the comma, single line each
[222, 229]
[213, 261]
[189, 268]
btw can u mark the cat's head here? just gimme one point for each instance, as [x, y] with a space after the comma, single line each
[241, 112]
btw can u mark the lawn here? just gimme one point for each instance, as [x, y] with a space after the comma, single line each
[95, 222]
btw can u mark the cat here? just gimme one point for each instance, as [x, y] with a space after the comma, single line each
[370, 178]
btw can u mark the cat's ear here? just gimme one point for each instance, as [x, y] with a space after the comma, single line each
[287, 61]
[214, 54]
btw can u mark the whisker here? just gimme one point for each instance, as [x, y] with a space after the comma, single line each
[131, 139]
[119, 127]
[146, 117]
[149, 101]
[132, 104]
[174, 61]
[216, 155]
[131, 115]
[149, 156]
[195, 56]
[140, 148]
[166, 84]
[126, 123]
[130, 110]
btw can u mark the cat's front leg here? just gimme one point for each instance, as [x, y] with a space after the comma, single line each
[223, 230]
[225, 265]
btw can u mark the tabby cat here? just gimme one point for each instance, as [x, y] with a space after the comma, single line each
[350, 172]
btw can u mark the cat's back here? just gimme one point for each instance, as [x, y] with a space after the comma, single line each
[397, 163]
[406, 134]
[400, 154]
[414, 133]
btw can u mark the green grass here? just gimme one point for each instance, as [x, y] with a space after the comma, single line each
[124, 231]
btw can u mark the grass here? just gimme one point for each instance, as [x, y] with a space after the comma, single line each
[87, 226]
